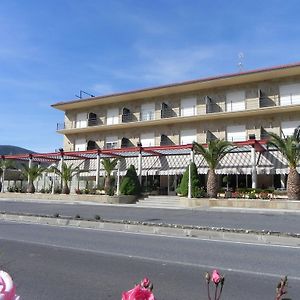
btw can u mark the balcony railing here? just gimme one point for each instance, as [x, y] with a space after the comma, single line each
[126, 118]
[213, 108]
[60, 126]
[92, 122]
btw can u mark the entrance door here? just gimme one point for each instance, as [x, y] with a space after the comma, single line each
[172, 184]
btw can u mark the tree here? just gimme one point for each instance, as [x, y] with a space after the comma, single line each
[5, 165]
[215, 151]
[32, 173]
[130, 184]
[66, 173]
[184, 184]
[109, 166]
[290, 149]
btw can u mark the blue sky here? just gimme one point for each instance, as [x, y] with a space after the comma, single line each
[51, 49]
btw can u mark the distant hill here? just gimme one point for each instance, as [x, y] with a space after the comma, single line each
[11, 150]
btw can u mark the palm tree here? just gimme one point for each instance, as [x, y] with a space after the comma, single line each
[215, 151]
[290, 149]
[66, 173]
[5, 165]
[32, 173]
[109, 166]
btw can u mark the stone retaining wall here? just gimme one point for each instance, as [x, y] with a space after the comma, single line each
[122, 199]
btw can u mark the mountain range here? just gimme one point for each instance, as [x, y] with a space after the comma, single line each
[11, 150]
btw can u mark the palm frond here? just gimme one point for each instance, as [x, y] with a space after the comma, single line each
[289, 147]
[109, 164]
[214, 152]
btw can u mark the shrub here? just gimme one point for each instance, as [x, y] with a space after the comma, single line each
[199, 192]
[184, 184]
[252, 195]
[130, 184]
[263, 195]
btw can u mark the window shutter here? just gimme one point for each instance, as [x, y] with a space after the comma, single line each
[235, 101]
[236, 133]
[188, 106]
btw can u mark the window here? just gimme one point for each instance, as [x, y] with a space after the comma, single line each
[235, 101]
[91, 145]
[126, 115]
[80, 145]
[188, 136]
[288, 127]
[147, 112]
[236, 133]
[125, 143]
[92, 121]
[289, 94]
[112, 116]
[111, 142]
[147, 139]
[81, 120]
[188, 107]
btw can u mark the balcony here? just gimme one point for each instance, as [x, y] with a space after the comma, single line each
[128, 117]
[93, 122]
[166, 111]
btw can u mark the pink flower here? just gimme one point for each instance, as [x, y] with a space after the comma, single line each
[216, 278]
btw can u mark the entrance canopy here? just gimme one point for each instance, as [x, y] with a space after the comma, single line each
[169, 160]
[157, 151]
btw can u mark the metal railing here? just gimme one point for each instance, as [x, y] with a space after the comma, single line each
[92, 122]
[126, 118]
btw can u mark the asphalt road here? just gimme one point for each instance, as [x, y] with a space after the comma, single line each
[254, 220]
[50, 262]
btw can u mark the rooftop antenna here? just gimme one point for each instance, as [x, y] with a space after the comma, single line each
[83, 92]
[241, 61]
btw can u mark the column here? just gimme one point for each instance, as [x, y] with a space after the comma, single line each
[97, 168]
[118, 178]
[190, 181]
[253, 171]
[53, 182]
[29, 165]
[61, 167]
[3, 174]
[192, 154]
[140, 166]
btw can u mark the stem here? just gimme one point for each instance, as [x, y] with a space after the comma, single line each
[220, 292]
[216, 291]
[208, 292]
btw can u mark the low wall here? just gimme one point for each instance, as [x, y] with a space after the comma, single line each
[122, 199]
[241, 203]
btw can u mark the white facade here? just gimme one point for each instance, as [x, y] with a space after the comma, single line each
[235, 101]
[147, 139]
[288, 127]
[188, 107]
[148, 111]
[236, 133]
[188, 136]
[80, 145]
[111, 142]
[289, 94]
[81, 120]
[113, 116]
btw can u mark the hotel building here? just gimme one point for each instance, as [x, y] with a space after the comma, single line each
[240, 107]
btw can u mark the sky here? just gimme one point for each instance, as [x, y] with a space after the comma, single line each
[52, 49]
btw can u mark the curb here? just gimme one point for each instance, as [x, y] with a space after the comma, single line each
[203, 232]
